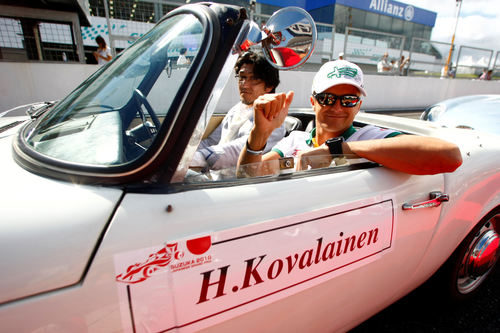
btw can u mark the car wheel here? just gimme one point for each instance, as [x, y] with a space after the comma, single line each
[474, 259]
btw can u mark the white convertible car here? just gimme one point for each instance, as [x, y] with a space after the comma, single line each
[105, 228]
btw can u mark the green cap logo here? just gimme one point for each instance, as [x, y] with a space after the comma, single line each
[345, 71]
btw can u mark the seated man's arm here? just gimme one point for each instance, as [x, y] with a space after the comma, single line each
[213, 138]
[412, 154]
[225, 155]
[202, 153]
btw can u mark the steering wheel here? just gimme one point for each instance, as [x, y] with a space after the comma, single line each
[143, 101]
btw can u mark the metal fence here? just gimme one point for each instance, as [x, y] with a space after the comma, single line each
[122, 22]
[473, 60]
[426, 57]
[368, 47]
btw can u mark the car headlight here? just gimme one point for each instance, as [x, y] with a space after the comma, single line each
[435, 112]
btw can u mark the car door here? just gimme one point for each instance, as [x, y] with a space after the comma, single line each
[228, 252]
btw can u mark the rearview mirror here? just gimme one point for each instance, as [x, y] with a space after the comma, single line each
[289, 38]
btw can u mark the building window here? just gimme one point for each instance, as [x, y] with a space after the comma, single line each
[385, 24]
[28, 39]
[57, 42]
[358, 18]
[341, 18]
[371, 21]
[11, 33]
[427, 32]
[397, 27]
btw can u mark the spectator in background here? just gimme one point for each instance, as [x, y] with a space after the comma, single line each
[103, 53]
[483, 73]
[403, 65]
[341, 56]
[394, 66]
[182, 60]
[486, 75]
[383, 65]
[452, 72]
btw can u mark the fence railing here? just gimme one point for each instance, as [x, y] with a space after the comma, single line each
[426, 57]
[363, 46]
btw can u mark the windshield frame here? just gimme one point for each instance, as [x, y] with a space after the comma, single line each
[133, 171]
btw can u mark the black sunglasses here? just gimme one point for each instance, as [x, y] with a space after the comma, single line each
[347, 101]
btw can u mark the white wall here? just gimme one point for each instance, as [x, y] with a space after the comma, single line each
[23, 83]
[383, 92]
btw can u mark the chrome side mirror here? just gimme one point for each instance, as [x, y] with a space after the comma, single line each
[289, 37]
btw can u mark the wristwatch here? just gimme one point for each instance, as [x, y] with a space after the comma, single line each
[255, 152]
[335, 145]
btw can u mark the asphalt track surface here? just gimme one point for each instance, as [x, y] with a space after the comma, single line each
[421, 311]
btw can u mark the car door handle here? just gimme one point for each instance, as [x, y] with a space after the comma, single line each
[435, 200]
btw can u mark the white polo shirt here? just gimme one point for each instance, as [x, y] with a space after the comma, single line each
[298, 140]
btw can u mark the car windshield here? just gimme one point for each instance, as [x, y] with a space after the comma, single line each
[114, 116]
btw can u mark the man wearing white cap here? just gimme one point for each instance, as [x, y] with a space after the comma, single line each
[336, 99]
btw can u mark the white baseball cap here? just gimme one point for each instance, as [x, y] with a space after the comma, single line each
[338, 72]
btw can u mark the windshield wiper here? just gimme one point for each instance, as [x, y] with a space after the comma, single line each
[37, 110]
[108, 108]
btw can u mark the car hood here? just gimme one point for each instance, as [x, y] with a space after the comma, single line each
[479, 112]
[48, 228]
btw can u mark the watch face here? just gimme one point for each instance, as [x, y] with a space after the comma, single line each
[335, 145]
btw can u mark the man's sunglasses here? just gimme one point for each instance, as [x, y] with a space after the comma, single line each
[347, 101]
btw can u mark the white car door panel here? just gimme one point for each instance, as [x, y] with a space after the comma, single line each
[204, 256]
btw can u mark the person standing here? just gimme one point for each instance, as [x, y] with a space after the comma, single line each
[383, 65]
[103, 53]
[403, 65]
[486, 75]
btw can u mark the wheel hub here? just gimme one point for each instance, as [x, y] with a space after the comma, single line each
[483, 253]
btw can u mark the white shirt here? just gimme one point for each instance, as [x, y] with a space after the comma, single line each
[222, 148]
[105, 53]
[382, 65]
[182, 60]
[299, 141]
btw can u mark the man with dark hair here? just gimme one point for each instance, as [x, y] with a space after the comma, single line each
[221, 149]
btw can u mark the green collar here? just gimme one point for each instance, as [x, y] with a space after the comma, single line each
[346, 135]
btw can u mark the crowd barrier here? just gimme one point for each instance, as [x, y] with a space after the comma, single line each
[23, 83]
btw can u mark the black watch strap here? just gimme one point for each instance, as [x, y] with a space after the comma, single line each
[335, 145]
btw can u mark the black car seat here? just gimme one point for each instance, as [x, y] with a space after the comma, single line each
[292, 124]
